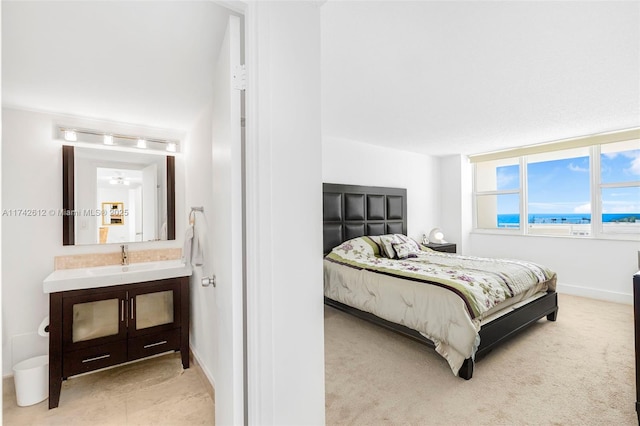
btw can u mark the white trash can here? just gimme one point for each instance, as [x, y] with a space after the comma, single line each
[31, 378]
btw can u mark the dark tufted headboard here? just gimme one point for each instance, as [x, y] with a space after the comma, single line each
[350, 211]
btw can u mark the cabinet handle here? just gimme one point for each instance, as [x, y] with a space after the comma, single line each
[96, 358]
[131, 307]
[154, 344]
[122, 311]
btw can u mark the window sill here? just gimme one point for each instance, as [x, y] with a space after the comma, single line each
[519, 233]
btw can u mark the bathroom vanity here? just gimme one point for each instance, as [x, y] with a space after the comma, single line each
[123, 318]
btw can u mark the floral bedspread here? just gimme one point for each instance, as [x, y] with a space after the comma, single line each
[481, 282]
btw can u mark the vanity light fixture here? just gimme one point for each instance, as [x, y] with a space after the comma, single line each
[119, 181]
[108, 139]
[96, 138]
[70, 135]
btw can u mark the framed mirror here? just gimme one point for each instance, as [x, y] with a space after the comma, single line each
[117, 197]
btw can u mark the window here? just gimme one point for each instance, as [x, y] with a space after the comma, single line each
[498, 194]
[559, 193]
[620, 187]
[583, 187]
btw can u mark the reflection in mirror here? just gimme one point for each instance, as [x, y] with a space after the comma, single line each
[113, 212]
[118, 197]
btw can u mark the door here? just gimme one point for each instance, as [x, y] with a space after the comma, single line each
[223, 311]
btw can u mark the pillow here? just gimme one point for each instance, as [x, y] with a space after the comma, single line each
[363, 246]
[387, 242]
[376, 239]
[404, 250]
[410, 241]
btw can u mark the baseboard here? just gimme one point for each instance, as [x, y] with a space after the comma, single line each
[591, 293]
[207, 378]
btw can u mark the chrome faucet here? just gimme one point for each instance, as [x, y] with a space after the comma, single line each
[124, 255]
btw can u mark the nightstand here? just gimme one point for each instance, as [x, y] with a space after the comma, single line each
[444, 247]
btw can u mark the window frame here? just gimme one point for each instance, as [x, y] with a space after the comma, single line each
[596, 187]
[497, 192]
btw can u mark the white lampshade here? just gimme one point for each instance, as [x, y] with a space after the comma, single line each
[436, 236]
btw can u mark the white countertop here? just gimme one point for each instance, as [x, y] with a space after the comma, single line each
[105, 276]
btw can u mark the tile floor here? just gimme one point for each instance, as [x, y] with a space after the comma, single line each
[154, 391]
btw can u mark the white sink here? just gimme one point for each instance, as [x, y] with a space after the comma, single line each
[105, 276]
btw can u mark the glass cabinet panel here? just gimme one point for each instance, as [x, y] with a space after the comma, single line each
[154, 309]
[95, 319]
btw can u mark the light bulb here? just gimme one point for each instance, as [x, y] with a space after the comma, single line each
[70, 135]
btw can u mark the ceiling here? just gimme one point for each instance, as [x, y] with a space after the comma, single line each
[114, 178]
[145, 63]
[437, 78]
[455, 77]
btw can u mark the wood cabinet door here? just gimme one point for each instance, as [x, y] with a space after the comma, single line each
[154, 307]
[93, 317]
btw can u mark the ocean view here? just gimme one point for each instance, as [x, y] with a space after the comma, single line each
[513, 220]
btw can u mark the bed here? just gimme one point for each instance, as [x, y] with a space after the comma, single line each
[462, 306]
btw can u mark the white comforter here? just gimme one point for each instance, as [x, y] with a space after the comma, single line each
[438, 313]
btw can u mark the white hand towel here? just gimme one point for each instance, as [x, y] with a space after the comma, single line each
[163, 231]
[200, 234]
[188, 242]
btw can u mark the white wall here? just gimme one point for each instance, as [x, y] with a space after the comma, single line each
[358, 163]
[32, 179]
[284, 215]
[204, 336]
[455, 207]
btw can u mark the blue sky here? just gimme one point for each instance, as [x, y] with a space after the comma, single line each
[563, 186]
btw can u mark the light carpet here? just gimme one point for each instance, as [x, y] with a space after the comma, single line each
[576, 371]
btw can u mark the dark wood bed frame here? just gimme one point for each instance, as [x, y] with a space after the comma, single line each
[351, 211]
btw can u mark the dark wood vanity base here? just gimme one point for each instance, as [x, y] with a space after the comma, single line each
[132, 328]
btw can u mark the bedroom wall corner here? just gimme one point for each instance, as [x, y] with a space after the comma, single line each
[456, 200]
